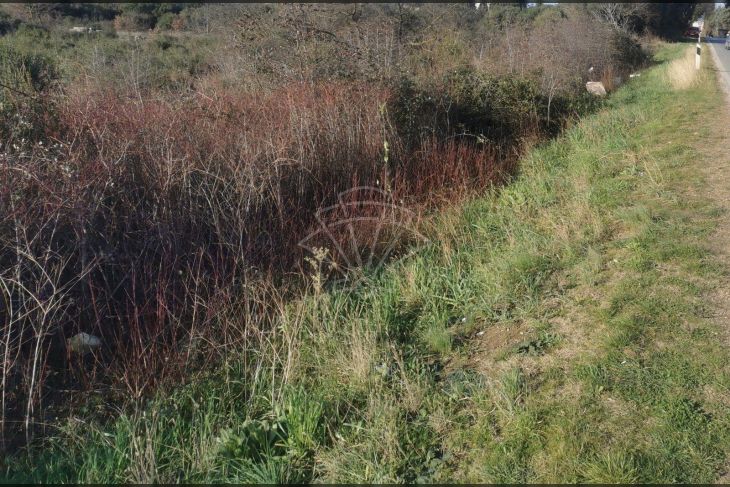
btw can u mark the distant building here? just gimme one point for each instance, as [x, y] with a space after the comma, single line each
[83, 30]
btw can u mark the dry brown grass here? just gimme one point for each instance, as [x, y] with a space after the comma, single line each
[681, 72]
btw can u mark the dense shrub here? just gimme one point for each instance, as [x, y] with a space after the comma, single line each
[145, 208]
[25, 108]
[561, 49]
[8, 24]
[165, 21]
[469, 103]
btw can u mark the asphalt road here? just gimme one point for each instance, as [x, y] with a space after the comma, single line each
[721, 57]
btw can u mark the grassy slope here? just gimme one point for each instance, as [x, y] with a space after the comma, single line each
[555, 331]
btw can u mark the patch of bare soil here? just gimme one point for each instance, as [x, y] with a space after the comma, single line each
[499, 339]
[495, 349]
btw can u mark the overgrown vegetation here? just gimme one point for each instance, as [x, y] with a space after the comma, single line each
[157, 189]
[487, 356]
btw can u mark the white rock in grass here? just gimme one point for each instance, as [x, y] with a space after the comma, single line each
[596, 88]
[83, 343]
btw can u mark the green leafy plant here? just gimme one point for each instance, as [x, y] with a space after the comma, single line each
[539, 345]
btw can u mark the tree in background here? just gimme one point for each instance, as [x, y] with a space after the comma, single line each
[667, 20]
[670, 20]
[702, 10]
[718, 20]
[627, 17]
[143, 16]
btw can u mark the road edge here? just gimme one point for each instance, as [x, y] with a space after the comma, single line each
[724, 76]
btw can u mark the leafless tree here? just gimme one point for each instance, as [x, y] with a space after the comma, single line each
[621, 16]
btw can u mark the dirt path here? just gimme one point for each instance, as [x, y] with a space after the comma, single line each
[716, 154]
[715, 151]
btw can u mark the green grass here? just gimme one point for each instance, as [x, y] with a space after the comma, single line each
[593, 263]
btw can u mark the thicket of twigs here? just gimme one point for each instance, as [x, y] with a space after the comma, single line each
[159, 218]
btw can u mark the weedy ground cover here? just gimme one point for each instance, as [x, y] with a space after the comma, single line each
[556, 330]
